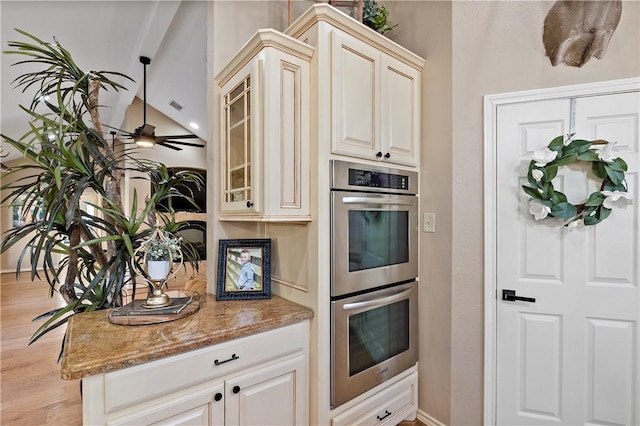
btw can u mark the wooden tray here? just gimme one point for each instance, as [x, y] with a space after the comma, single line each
[141, 319]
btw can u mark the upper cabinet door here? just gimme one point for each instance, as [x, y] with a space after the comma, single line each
[237, 153]
[355, 96]
[400, 112]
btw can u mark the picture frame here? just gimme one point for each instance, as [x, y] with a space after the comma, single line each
[244, 269]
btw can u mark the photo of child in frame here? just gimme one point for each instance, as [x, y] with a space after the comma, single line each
[244, 269]
[247, 273]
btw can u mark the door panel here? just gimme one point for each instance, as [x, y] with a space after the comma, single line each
[571, 357]
[354, 96]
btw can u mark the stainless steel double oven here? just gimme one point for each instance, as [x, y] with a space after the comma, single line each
[374, 265]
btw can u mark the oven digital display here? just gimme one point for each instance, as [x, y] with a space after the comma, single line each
[373, 179]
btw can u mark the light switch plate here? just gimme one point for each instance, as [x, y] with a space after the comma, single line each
[429, 222]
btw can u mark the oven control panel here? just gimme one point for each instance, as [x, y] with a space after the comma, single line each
[373, 179]
[363, 177]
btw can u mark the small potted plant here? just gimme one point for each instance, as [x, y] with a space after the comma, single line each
[376, 16]
[160, 251]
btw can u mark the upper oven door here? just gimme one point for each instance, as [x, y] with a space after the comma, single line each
[374, 240]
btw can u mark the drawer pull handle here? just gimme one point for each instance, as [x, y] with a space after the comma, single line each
[233, 358]
[387, 155]
[236, 389]
[387, 413]
[218, 396]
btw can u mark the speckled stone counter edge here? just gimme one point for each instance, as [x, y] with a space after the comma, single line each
[94, 346]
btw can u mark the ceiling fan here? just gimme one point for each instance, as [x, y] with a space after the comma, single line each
[144, 136]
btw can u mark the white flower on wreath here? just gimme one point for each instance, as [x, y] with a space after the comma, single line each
[543, 156]
[538, 210]
[537, 174]
[606, 154]
[575, 224]
[616, 199]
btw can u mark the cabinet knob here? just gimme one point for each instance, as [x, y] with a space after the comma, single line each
[217, 396]
[236, 389]
[249, 204]
[379, 154]
[387, 155]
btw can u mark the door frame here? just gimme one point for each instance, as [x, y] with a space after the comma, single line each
[491, 104]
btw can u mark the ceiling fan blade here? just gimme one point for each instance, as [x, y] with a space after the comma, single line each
[197, 145]
[188, 136]
[165, 144]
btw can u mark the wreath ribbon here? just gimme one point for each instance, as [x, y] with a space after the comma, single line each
[605, 164]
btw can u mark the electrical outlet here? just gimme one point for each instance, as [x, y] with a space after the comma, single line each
[429, 223]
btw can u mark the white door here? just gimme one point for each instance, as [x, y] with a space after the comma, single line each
[570, 357]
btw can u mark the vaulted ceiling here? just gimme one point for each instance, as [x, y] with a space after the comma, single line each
[112, 35]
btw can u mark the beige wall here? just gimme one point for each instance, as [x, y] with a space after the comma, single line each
[475, 48]
[424, 27]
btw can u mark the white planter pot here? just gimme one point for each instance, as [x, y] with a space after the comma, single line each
[158, 269]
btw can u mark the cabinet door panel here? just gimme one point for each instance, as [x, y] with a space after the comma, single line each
[198, 407]
[400, 111]
[354, 96]
[251, 398]
[238, 147]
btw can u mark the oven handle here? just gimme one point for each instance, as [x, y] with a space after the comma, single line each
[377, 302]
[377, 200]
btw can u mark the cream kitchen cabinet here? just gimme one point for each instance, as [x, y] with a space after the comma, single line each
[260, 379]
[368, 88]
[265, 118]
[375, 102]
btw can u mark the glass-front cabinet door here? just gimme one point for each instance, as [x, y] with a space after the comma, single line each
[237, 113]
[238, 142]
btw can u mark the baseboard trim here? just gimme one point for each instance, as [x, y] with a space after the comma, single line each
[428, 420]
[13, 271]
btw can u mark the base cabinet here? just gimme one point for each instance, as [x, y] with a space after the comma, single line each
[390, 406]
[262, 380]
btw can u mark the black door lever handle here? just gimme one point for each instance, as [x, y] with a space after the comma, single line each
[510, 295]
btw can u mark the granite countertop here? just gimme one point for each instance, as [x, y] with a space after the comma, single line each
[93, 345]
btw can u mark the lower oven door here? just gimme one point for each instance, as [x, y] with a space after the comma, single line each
[374, 337]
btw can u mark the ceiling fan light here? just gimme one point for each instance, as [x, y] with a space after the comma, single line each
[145, 141]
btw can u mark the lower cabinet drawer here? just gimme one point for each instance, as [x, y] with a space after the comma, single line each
[130, 386]
[387, 407]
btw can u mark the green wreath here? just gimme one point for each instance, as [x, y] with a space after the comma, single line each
[605, 164]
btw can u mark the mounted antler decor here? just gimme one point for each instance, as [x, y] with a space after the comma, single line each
[574, 31]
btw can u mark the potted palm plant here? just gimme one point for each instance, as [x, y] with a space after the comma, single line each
[67, 155]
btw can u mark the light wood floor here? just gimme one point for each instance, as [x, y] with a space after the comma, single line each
[31, 390]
